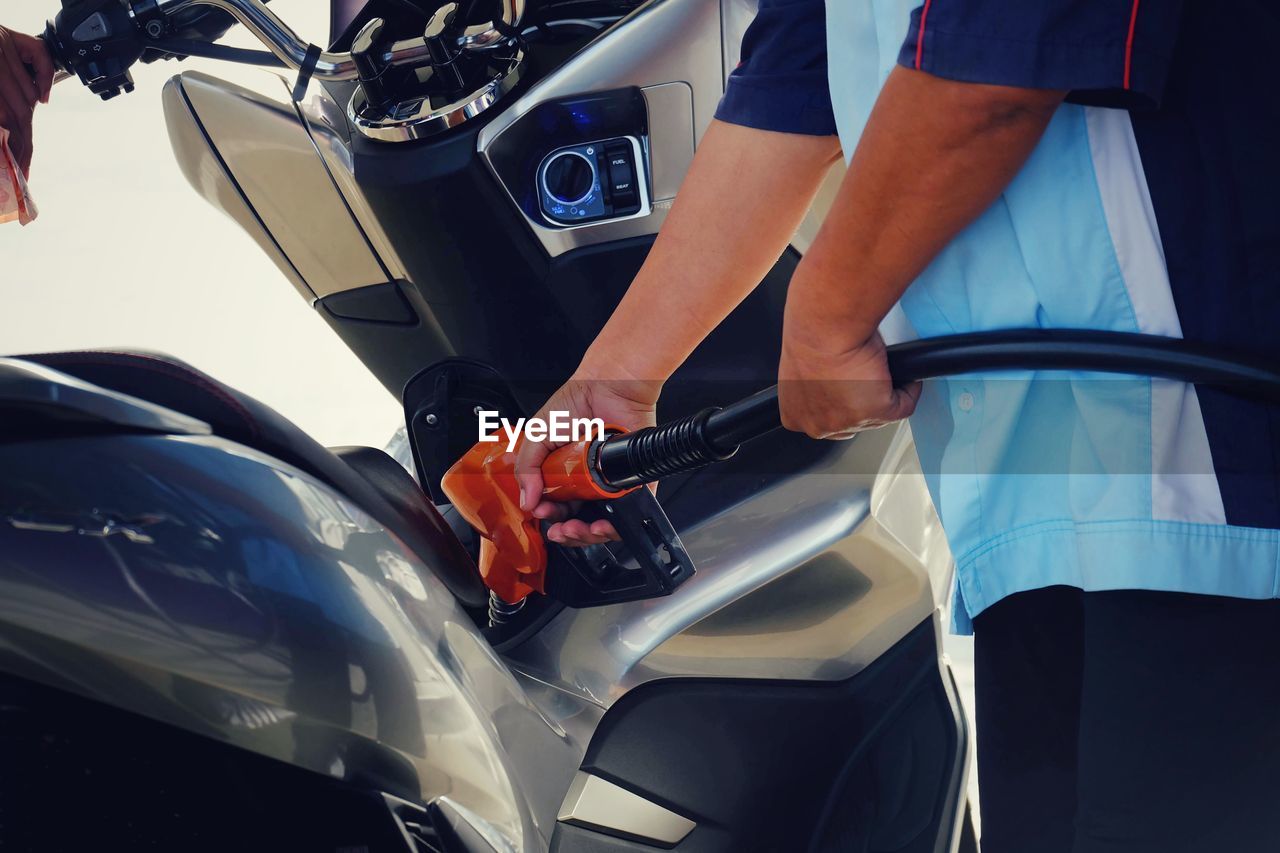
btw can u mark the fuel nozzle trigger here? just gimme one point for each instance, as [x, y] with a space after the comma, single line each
[649, 562]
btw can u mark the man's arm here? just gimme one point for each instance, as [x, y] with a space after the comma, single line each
[739, 206]
[935, 154]
[743, 199]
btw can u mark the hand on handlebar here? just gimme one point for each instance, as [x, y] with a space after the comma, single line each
[26, 78]
[630, 405]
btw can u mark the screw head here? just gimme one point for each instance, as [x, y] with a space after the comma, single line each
[431, 419]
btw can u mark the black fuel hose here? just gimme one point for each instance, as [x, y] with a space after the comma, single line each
[711, 435]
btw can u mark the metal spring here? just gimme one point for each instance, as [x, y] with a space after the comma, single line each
[500, 612]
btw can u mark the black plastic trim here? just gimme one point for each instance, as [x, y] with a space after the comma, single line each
[377, 303]
[867, 763]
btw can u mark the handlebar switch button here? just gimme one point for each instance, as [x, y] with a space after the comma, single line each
[92, 28]
[623, 192]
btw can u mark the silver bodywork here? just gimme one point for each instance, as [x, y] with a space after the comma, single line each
[811, 578]
[595, 802]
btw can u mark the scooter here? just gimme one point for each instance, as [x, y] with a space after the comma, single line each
[216, 634]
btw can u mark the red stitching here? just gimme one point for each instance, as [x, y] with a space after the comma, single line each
[924, 14]
[1128, 44]
[167, 368]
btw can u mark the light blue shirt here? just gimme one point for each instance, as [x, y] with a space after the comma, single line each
[1044, 479]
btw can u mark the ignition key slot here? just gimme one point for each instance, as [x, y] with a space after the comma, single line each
[592, 181]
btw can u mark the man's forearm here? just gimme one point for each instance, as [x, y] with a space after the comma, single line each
[744, 197]
[934, 156]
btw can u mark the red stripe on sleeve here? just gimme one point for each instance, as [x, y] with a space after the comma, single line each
[1128, 44]
[924, 15]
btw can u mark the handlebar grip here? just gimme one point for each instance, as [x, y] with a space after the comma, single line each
[60, 71]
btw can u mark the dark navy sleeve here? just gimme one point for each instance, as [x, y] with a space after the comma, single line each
[781, 82]
[1104, 52]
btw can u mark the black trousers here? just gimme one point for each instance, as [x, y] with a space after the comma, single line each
[1142, 722]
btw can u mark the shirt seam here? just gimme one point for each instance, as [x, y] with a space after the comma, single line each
[1131, 525]
[1108, 44]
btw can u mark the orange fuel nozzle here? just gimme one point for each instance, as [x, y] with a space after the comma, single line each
[482, 486]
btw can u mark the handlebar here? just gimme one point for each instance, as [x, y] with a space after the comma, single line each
[100, 39]
[288, 47]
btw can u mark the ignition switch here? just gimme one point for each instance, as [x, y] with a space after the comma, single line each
[592, 182]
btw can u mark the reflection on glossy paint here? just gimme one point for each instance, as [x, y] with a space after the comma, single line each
[269, 612]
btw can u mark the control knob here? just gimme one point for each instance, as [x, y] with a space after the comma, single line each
[569, 177]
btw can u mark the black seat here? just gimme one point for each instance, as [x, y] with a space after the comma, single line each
[393, 499]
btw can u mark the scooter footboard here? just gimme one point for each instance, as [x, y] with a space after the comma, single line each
[870, 762]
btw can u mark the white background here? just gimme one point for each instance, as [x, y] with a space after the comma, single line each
[125, 254]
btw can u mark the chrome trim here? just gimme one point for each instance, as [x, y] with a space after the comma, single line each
[662, 42]
[282, 41]
[491, 34]
[512, 12]
[957, 788]
[671, 137]
[556, 155]
[480, 37]
[596, 803]
[420, 118]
